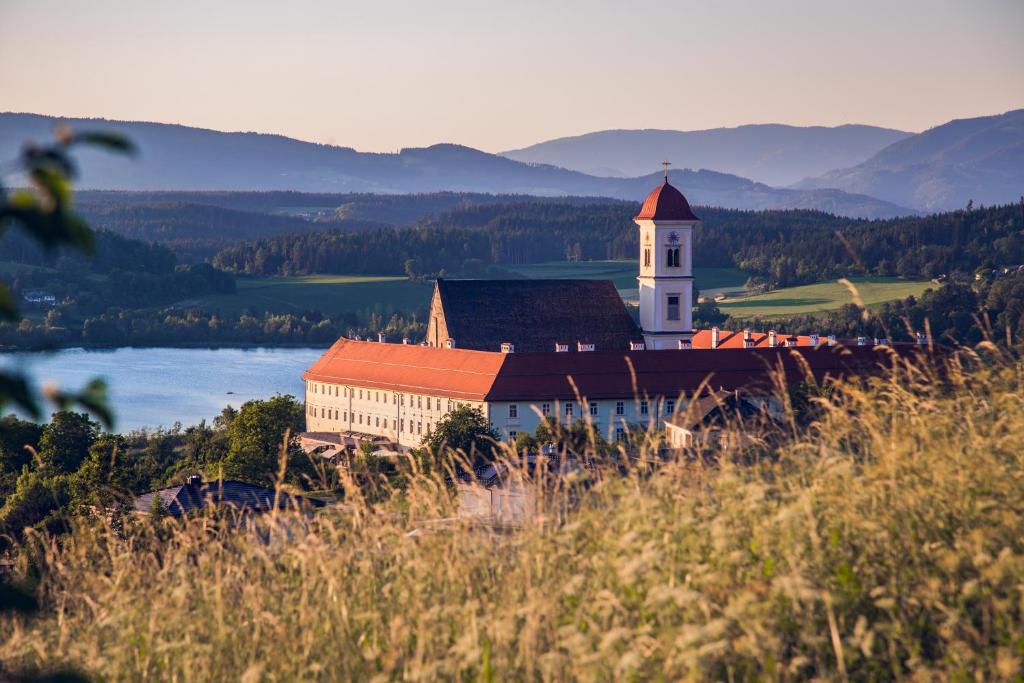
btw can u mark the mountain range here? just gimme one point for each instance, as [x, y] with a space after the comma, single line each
[174, 157]
[878, 172]
[773, 154]
[979, 159]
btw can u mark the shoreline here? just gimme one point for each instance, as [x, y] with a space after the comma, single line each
[183, 345]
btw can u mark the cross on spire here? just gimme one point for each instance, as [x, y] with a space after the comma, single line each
[666, 164]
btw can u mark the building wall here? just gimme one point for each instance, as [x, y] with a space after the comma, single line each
[402, 416]
[407, 417]
[605, 417]
[437, 327]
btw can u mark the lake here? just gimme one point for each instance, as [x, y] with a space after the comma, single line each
[158, 387]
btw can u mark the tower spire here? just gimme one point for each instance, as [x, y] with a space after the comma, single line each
[666, 164]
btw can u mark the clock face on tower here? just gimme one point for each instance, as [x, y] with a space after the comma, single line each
[673, 237]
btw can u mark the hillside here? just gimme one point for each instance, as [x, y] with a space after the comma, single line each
[980, 159]
[774, 154]
[181, 158]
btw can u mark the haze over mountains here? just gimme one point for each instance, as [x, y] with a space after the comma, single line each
[979, 159]
[883, 172]
[773, 154]
[176, 157]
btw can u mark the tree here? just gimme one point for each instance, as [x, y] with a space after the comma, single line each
[65, 442]
[255, 437]
[464, 429]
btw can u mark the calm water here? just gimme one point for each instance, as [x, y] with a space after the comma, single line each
[158, 387]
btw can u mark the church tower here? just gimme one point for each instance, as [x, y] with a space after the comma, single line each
[666, 268]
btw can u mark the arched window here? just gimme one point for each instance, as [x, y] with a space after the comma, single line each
[672, 257]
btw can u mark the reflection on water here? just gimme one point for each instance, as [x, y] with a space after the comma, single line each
[158, 387]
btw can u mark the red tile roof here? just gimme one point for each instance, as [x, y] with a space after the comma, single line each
[454, 373]
[666, 203]
[734, 340]
[485, 375]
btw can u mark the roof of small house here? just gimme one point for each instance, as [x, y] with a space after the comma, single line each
[666, 203]
[494, 376]
[191, 497]
[535, 314]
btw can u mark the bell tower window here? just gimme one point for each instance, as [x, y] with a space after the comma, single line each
[647, 257]
[672, 257]
[672, 312]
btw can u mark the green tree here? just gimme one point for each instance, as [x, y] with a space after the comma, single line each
[65, 442]
[35, 498]
[465, 429]
[255, 437]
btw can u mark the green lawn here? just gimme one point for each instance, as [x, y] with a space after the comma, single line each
[623, 273]
[329, 294]
[822, 297]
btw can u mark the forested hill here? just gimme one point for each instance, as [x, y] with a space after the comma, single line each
[784, 247]
[175, 157]
[979, 159]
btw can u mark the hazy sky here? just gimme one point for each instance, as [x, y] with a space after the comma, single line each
[379, 75]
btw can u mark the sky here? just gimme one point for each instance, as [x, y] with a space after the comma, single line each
[381, 75]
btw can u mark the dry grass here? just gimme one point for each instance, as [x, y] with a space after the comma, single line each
[883, 542]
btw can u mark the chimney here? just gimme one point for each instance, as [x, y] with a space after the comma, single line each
[508, 347]
[195, 481]
[582, 346]
[748, 342]
[814, 340]
[831, 340]
[714, 337]
[449, 343]
[685, 344]
[381, 338]
[561, 348]
[405, 340]
[773, 339]
[862, 341]
[637, 346]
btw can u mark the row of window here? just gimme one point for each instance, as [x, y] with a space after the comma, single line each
[671, 257]
[594, 407]
[414, 426]
[415, 401]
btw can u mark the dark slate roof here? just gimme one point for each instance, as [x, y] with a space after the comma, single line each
[666, 203]
[608, 374]
[535, 314]
[188, 498]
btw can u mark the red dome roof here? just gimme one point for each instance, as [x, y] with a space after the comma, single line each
[666, 203]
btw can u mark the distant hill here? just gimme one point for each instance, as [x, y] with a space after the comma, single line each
[180, 158]
[944, 167]
[773, 154]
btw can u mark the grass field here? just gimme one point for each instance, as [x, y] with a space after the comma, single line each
[822, 297]
[623, 273]
[329, 294]
[339, 294]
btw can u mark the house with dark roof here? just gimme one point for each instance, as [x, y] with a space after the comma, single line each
[522, 351]
[197, 496]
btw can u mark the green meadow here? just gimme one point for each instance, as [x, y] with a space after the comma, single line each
[822, 297]
[623, 273]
